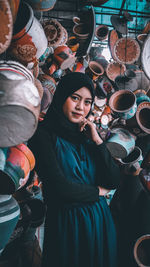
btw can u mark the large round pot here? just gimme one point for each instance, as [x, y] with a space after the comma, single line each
[19, 108]
[123, 104]
[25, 45]
[120, 143]
[15, 172]
[9, 216]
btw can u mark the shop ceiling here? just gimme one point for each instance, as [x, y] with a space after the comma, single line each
[64, 10]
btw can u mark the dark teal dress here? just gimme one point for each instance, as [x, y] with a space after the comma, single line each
[79, 234]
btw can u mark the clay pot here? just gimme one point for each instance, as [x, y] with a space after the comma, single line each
[139, 124]
[64, 57]
[114, 69]
[120, 143]
[123, 104]
[19, 161]
[143, 115]
[126, 50]
[141, 38]
[141, 251]
[132, 163]
[73, 43]
[25, 45]
[102, 32]
[9, 216]
[54, 32]
[94, 70]
[81, 31]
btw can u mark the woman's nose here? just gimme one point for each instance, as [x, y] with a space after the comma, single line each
[80, 105]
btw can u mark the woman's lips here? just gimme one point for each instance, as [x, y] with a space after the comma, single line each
[77, 114]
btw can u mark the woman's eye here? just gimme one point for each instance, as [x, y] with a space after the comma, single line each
[74, 97]
[88, 102]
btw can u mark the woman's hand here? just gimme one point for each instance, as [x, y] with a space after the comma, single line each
[90, 130]
[103, 191]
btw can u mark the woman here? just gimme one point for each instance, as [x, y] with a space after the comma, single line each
[75, 167]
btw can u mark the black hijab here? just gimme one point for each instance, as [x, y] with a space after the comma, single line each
[55, 121]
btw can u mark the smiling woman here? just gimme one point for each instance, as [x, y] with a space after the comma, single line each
[77, 171]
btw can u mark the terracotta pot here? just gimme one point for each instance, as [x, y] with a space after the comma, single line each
[43, 5]
[9, 216]
[102, 32]
[123, 104]
[25, 45]
[81, 30]
[141, 251]
[143, 116]
[94, 70]
[139, 124]
[127, 50]
[73, 43]
[141, 38]
[6, 25]
[64, 57]
[53, 31]
[114, 69]
[132, 163]
[19, 162]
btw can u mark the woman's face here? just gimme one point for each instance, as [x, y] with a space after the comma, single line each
[78, 105]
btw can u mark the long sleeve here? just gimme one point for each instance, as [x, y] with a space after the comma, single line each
[108, 172]
[52, 176]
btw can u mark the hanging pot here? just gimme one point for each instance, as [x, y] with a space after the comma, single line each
[126, 50]
[140, 123]
[113, 36]
[42, 5]
[6, 26]
[15, 173]
[114, 69]
[9, 216]
[132, 163]
[120, 143]
[25, 45]
[141, 251]
[102, 32]
[64, 57]
[81, 31]
[94, 70]
[53, 31]
[123, 104]
[19, 108]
